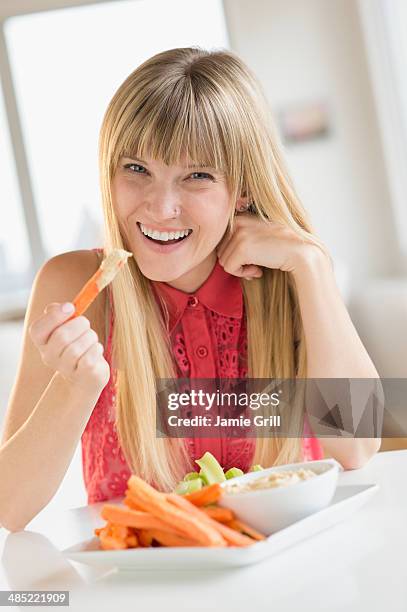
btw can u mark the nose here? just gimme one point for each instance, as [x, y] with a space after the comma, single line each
[162, 204]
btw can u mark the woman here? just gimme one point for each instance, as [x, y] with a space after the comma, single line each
[227, 279]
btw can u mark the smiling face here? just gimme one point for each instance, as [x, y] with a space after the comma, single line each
[152, 198]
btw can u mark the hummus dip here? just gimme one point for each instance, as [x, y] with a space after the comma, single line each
[275, 479]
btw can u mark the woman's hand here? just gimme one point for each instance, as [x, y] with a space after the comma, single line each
[70, 347]
[255, 244]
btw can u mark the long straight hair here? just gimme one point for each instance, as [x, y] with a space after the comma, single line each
[208, 106]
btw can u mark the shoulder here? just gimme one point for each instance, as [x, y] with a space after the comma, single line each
[67, 272]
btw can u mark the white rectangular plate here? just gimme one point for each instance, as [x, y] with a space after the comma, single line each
[347, 500]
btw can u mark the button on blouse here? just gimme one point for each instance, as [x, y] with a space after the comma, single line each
[207, 327]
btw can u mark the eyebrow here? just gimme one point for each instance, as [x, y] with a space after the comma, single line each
[136, 159]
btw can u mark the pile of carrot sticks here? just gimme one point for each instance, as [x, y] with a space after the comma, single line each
[151, 518]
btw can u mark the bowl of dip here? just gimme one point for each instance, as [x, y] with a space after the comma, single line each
[274, 498]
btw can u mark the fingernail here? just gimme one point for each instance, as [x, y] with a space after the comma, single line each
[67, 307]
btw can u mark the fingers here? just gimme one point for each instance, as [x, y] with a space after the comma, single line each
[225, 247]
[56, 334]
[232, 251]
[64, 335]
[234, 259]
[220, 249]
[90, 358]
[69, 346]
[54, 315]
[72, 354]
[251, 271]
[233, 265]
[90, 369]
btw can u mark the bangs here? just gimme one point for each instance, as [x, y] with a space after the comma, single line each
[180, 124]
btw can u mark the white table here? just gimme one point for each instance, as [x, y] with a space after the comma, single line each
[358, 565]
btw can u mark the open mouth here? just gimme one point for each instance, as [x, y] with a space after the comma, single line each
[168, 235]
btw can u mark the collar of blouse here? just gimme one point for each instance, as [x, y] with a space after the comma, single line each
[221, 293]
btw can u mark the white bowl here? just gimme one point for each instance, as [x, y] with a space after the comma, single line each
[269, 510]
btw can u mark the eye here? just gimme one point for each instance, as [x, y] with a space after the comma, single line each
[202, 175]
[138, 169]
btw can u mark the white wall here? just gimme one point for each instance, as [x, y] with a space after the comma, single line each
[305, 50]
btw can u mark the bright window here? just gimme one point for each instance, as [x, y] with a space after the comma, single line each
[14, 249]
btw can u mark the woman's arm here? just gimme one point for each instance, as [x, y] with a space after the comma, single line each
[334, 349]
[47, 413]
[34, 460]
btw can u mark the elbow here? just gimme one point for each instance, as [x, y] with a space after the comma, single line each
[354, 463]
[361, 458]
[13, 520]
[12, 525]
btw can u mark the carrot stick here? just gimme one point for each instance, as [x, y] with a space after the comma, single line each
[207, 495]
[145, 538]
[163, 526]
[233, 538]
[169, 539]
[223, 515]
[119, 531]
[246, 529]
[110, 542]
[86, 295]
[132, 518]
[102, 277]
[132, 541]
[170, 520]
[115, 536]
[190, 526]
[131, 502]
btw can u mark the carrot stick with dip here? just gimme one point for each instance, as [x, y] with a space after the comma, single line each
[108, 269]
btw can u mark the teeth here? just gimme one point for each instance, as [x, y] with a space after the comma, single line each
[156, 235]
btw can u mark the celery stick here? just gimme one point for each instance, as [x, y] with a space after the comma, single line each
[181, 488]
[211, 468]
[256, 468]
[189, 486]
[203, 477]
[194, 485]
[191, 476]
[233, 473]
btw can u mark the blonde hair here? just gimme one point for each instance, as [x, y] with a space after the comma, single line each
[209, 106]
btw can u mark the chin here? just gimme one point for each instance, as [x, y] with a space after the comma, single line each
[158, 273]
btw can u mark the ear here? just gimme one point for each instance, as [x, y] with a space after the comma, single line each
[242, 204]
